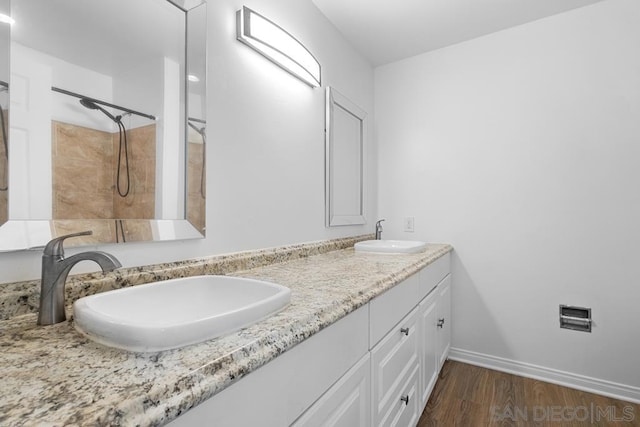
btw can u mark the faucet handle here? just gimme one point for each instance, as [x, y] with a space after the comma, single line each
[379, 223]
[55, 246]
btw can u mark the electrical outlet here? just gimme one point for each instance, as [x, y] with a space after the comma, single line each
[409, 224]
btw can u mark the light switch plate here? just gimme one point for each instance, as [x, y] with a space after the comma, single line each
[409, 223]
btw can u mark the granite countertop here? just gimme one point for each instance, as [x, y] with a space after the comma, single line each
[54, 376]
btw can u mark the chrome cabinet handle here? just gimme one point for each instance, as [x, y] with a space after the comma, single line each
[405, 399]
[405, 331]
[440, 322]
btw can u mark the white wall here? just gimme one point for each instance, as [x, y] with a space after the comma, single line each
[268, 129]
[138, 86]
[170, 154]
[265, 153]
[33, 106]
[74, 78]
[522, 149]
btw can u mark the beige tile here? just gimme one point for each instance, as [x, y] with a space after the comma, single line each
[77, 205]
[103, 230]
[141, 141]
[150, 177]
[79, 142]
[137, 230]
[138, 174]
[85, 171]
[74, 178]
[138, 206]
[106, 178]
[196, 211]
[194, 169]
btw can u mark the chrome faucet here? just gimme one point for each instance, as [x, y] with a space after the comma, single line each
[379, 229]
[55, 269]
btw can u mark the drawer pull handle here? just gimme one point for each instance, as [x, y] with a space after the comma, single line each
[405, 331]
[405, 399]
[440, 322]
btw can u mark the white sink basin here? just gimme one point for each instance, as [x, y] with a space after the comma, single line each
[390, 246]
[175, 313]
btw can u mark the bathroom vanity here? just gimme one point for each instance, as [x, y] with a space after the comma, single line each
[376, 366]
[361, 342]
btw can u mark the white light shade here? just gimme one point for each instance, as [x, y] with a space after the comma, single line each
[277, 45]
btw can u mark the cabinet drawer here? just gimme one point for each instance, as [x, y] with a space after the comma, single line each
[407, 410]
[393, 361]
[431, 275]
[389, 308]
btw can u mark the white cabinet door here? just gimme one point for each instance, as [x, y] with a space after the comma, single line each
[429, 356]
[444, 319]
[393, 362]
[346, 404]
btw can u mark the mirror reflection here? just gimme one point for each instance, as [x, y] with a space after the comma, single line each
[196, 123]
[107, 128]
[5, 33]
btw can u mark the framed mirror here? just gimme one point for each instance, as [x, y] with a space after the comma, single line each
[106, 129]
[5, 37]
[344, 161]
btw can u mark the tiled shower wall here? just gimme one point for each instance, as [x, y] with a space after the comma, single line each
[196, 186]
[84, 173]
[84, 165]
[140, 203]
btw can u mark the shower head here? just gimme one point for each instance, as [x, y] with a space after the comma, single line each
[87, 103]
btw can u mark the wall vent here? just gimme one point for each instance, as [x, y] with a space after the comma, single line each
[575, 318]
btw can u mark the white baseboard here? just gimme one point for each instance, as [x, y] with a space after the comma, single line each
[567, 379]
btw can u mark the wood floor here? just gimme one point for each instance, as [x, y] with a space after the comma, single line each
[467, 395]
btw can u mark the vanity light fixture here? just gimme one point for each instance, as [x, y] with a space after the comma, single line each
[6, 19]
[277, 45]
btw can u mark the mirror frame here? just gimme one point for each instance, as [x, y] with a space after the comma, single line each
[335, 101]
[21, 234]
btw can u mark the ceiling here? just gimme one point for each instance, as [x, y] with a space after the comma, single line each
[103, 36]
[389, 30]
